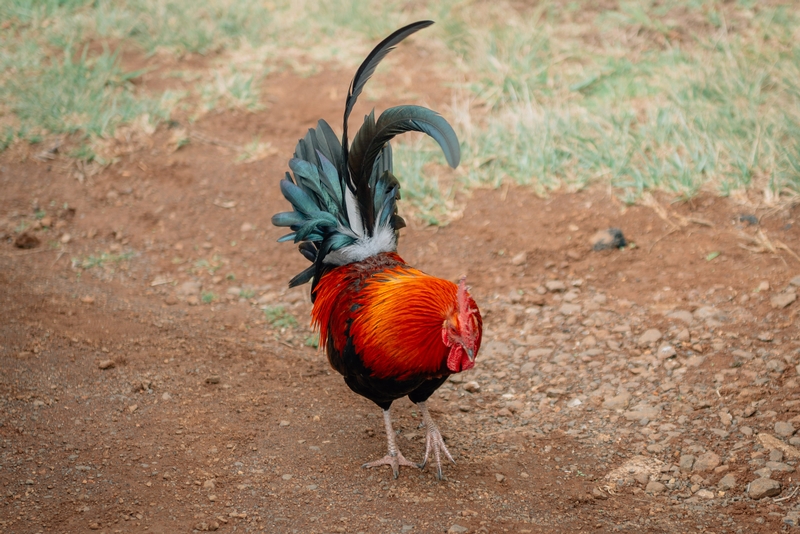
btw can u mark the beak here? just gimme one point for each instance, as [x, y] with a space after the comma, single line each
[470, 353]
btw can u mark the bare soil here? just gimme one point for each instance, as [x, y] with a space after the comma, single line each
[143, 386]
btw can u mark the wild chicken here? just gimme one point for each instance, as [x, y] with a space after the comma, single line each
[389, 329]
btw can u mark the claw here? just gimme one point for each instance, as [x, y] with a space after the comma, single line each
[395, 461]
[394, 458]
[433, 442]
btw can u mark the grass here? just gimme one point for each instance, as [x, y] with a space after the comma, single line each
[278, 317]
[680, 96]
[105, 258]
[247, 293]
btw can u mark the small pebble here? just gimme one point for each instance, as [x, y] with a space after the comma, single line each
[472, 386]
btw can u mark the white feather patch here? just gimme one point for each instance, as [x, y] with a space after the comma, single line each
[353, 213]
[383, 241]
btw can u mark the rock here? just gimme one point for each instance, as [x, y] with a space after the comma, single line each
[705, 494]
[209, 484]
[286, 477]
[764, 487]
[665, 351]
[499, 477]
[742, 354]
[171, 300]
[776, 366]
[472, 386]
[792, 518]
[189, 288]
[213, 379]
[284, 423]
[782, 300]
[655, 488]
[776, 455]
[686, 462]
[519, 259]
[727, 482]
[650, 336]
[457, 529]
[706, 312]
[554, 286]
[795, 281]
[766, 336]
[106, 364]
[246, 227]
[642, 411]
[570, 309]
[607, 239]
[780, 467]
[539, 353]
[771, 442]
[784, 429]
[496, 349]
[706, 462]
[515, 406]
[681, 315]
[764, 472]
[619, 402]
[66, 238]
[574, 403]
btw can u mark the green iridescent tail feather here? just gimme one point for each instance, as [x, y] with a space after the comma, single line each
[344, 199]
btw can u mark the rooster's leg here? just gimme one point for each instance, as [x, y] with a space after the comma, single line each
[395, 458]
[433, 441]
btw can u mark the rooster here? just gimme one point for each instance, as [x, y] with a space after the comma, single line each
[389, 329]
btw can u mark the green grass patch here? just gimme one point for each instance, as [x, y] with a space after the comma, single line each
[679, 95]
[247, 293]
[100, 261]
[278, 317]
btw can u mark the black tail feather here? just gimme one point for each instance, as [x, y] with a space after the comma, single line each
[362, 76]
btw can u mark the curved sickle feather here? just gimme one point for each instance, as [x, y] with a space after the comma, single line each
[363, 74]
[373, 137]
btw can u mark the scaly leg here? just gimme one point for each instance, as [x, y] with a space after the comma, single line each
[395, 458]
[433, 440]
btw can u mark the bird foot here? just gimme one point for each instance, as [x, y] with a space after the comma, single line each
[435, 443]
[393, 460]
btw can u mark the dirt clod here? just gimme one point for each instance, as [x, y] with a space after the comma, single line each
[26, 240]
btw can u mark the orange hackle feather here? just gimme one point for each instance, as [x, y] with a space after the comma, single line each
[392, 313]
